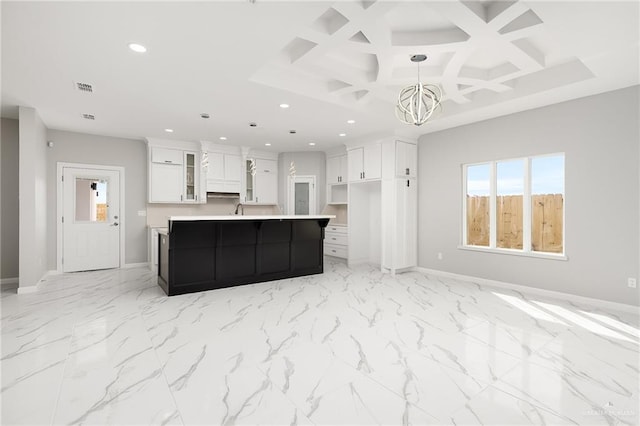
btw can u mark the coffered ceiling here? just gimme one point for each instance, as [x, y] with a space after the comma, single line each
[329, 61]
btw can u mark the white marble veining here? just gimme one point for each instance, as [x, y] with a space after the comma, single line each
[350, 346]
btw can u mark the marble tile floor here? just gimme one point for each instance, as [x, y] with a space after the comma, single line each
[350, 346]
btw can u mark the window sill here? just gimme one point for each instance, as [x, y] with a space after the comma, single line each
[551, 256]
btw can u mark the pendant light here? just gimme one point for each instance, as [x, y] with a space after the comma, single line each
[416, 103]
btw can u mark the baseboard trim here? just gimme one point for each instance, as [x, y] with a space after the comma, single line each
[28, 289]
[136, 265]
[623, 307]
[9, 283]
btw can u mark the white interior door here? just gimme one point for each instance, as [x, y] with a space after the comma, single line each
[90, 219]
[302, 195]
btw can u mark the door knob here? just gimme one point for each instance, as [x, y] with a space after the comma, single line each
[115, 224]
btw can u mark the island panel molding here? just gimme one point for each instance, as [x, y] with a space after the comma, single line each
[199, 253]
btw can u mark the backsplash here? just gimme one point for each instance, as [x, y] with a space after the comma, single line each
[158, 214]
[340, 211]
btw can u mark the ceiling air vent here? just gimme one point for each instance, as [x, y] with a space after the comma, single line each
[84, 87]
[89, 116]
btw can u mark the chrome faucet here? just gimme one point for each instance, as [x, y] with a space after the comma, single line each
[238, 207]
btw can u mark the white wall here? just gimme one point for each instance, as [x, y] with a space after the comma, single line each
[599, 135]
[33, 198]
[9, 221]
[70, 147]
[307, 164]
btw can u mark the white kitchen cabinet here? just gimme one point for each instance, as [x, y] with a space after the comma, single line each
[406, 159]
[190, 185]
[165, 185]
[402, 243]
[336, 241]
[364, 163]
[399, 205]
[232, 168]
[167, 156]
[262, 187]
[173, 175]
[153, 247]
[266, 181]
[223, 172]
[337, 169]
[215, 167]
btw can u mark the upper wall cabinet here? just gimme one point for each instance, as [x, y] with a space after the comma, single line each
[265, 182]
[167, 156]
[337, 169]
[174, 172]
[224, 172]
[406, 159]
[364, 163]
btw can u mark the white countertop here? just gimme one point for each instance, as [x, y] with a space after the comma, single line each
[250, 217]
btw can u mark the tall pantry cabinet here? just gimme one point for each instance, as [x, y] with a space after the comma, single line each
[400, 211]
[383, 203]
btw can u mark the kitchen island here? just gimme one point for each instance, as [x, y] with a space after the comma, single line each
[199, 253]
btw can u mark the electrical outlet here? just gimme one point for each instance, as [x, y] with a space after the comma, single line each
[631, 282]
[439, 256]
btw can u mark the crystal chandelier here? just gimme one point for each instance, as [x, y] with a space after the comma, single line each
[417, 102]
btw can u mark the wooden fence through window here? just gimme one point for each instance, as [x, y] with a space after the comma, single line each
[546, 221]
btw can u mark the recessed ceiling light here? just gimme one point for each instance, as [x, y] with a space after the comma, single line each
[312, 143]
[351, 121]
[205, 115]
[267, 144]
[342, 134]
[223, 138]
[137, 47]
[284, 105]
[168, 130]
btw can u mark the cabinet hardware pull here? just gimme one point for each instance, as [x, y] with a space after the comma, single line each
[407, 171]
[363, 175]
[407, 183]
[168, 161]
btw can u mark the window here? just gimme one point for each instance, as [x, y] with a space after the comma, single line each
[515, 205]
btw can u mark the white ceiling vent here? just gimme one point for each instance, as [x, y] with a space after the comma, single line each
[84, 87]
[88, 116]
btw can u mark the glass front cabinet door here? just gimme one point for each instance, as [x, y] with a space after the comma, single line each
[249, 193]
[190, 193]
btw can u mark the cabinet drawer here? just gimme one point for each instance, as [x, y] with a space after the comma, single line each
[336, 228]
[337, 251]
[166, 156]
[335, 238]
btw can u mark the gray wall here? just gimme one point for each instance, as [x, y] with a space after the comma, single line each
[599, 135]
[307, 164]
[9, 140]
[83, 148]
[32, 175]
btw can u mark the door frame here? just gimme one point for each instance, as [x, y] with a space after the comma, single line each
[60, 206]
[291, 191]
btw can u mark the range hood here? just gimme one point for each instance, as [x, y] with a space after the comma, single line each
[231, 195]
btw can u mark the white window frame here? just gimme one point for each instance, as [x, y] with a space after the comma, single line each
[526, 211]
